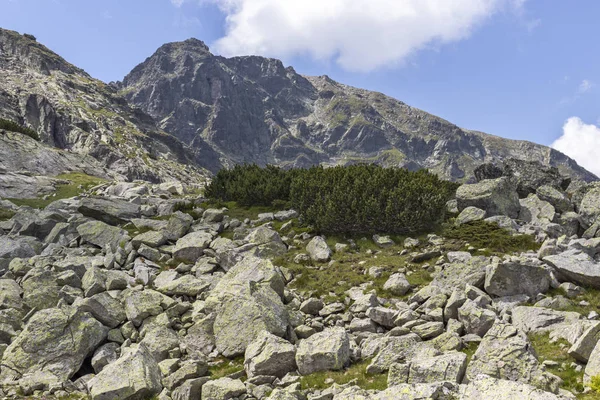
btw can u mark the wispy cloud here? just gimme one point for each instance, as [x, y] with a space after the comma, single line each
[584, 87]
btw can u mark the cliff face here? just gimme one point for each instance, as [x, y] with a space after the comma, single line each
[81, 115]
[253, 109]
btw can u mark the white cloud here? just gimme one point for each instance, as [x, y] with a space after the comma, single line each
[581, 142]
[177, 3]
[360, 35]
[585, 86]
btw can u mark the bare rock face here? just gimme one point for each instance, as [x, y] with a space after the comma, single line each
[254, 110]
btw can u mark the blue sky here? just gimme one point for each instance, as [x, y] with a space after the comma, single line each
[515, 68]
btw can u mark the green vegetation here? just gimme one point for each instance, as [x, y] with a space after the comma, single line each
[590, 295]
[355, 199]
[470, 350]
[489, 236]
[351, 269]
[356, 372]
[5, 215]
[557, 351]
[14, 127]
[78, 183]
[225, 367]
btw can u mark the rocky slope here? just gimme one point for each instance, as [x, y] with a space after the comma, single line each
[253, 109]
[81, 116]
[132, 292]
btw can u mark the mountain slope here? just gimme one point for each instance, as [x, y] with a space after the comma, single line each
[72, 111]
[253, 109]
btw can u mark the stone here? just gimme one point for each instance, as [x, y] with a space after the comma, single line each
[268, 242]
[446, 367]
[200, 339]
[111, 211]
[177, 226]
[100, 234]
[383, 241]
[582, 349]
[324, 351]
[318, 250]
[190, 389]
[104, 308]
[511, 278]
[576, 267]
[536, 211]
[311, 306]
[383, 316]
[223, 389]
[269, 355]
[213, 215]
[54, 340]
[186, 285]
[489, 388]
[189, 369]
[397, 284]
[386, 351]
[142, 372]
[495, 196]
[429, 330]
[506, 353]
[558, 199]
[476, 320]
[240, 318]
[191, 247]
[152, 239]
[10, 294]
[93, 281]
[105, 355]
[140, 305]
[470, 214]
[589, 209]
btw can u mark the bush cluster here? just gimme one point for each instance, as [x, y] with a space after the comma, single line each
[355, 199]
[14, 127]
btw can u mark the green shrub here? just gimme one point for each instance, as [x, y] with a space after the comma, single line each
[251, 185]
[356, 199]
[14, 127]
[370, 199]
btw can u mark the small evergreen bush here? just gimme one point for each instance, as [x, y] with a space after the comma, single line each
[353, 199]
[14, 127]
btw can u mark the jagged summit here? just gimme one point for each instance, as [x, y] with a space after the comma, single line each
[254, 109]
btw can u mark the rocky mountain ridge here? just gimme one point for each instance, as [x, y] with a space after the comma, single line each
[184, 112]
[254, 110]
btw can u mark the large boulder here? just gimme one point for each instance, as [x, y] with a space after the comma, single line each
[441, 368]
[111, 211]
[489, 388]
[318, 249]
[191, 247]
[269, 355]
[241, 317]
[589, 209]
[323, 351]
[495, 196]
[223, 389]
[505, 353]
[100, 234]
[268, 242]
[576, 267]
[511, 278]
[134, 376]
[56, 341]
[536, 211]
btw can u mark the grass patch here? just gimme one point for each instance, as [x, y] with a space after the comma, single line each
[590, 295]
[470, 350]
[557, 351]
[79, 183]
[322, 380]
[489, 236]
[5, 215]
[351, 269]
[226, 367]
